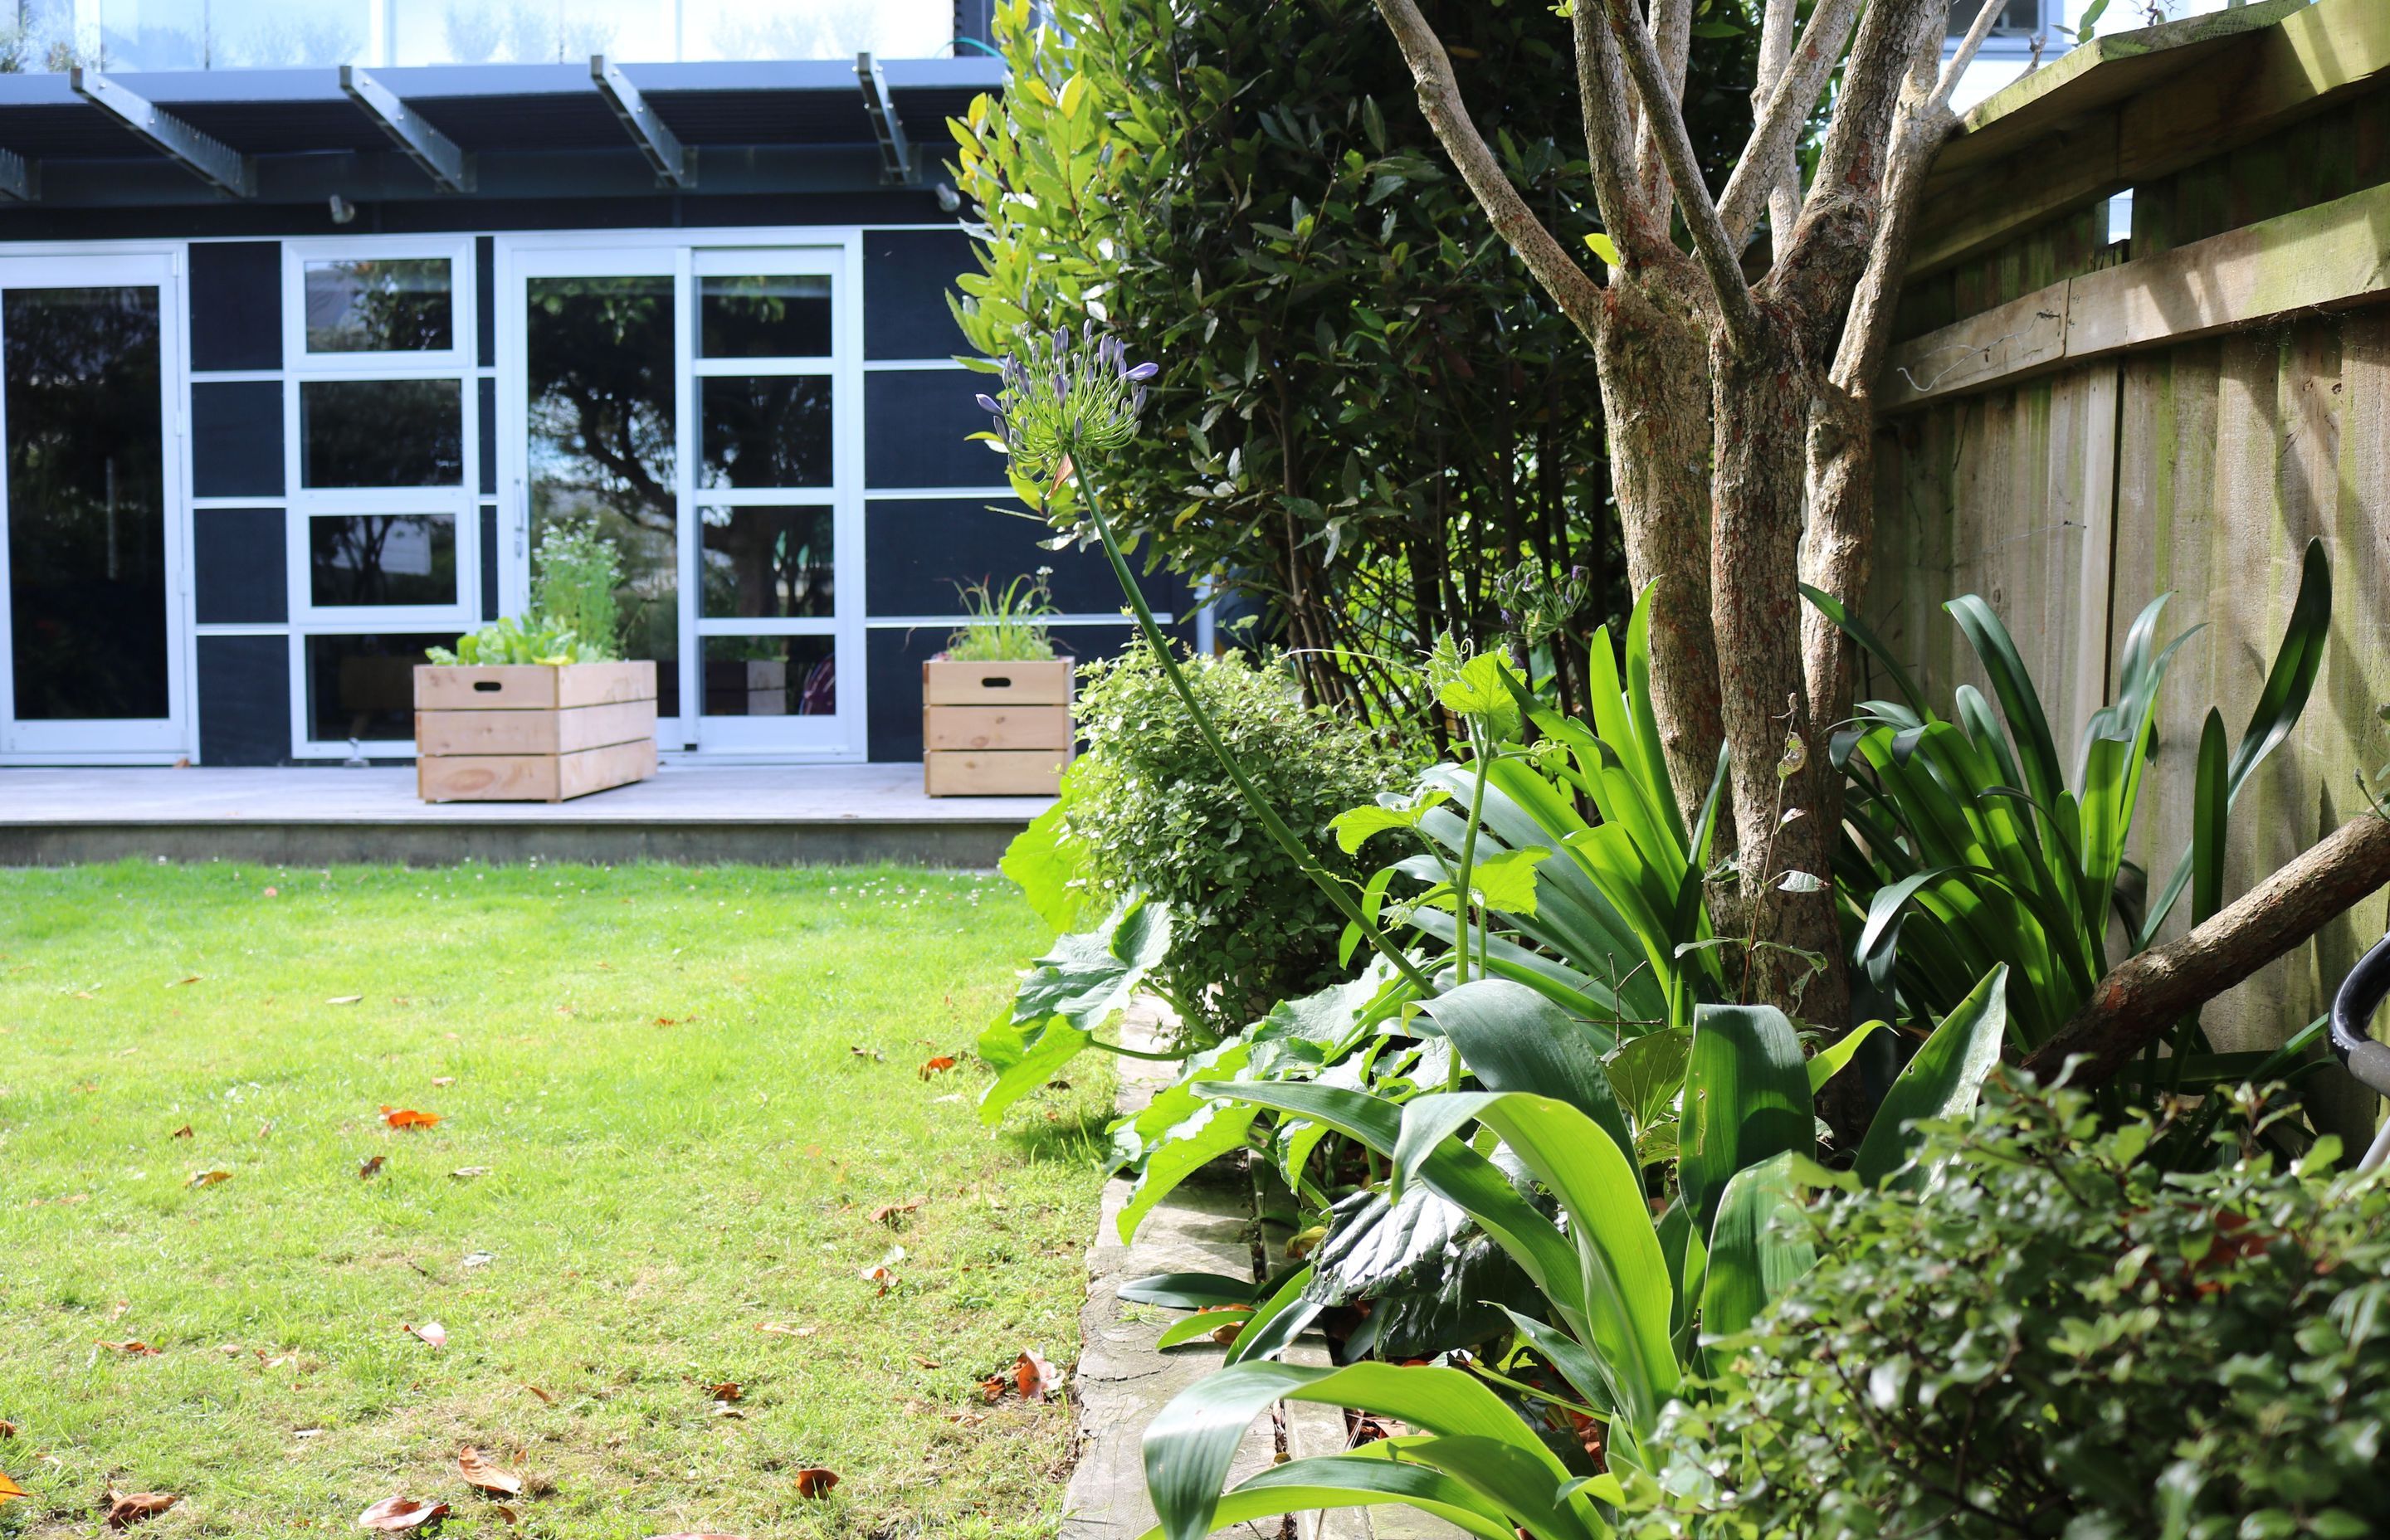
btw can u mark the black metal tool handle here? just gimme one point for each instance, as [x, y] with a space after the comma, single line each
[2361, 996]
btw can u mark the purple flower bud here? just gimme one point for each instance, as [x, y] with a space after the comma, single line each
[1578, 574]
[987, 404]
[1142, 373]
[1137, 398]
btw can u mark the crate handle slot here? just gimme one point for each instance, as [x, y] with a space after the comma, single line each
[997, 682]
[487, 686]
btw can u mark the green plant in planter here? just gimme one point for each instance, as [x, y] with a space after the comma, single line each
[2057, 1338]
[576, 573]
[509, 640]
[1007, 624]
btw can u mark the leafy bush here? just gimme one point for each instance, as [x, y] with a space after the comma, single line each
[2054, 1338]
[1155, 813]
[575, 572]
[509, 640]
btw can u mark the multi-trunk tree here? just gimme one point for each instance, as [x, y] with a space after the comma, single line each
[1739, 406]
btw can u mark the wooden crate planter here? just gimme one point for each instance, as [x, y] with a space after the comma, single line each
[995, 729]
[533, 732]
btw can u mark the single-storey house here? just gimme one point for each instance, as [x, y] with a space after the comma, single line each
[310, 323]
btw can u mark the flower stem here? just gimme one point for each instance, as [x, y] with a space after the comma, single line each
[1287, 840]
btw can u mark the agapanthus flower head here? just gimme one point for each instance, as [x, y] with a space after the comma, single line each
[1067, 394]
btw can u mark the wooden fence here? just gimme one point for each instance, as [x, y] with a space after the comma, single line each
[2075, 424]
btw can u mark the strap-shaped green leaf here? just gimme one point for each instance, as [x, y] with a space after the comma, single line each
[1942, 1081]
[1359, 1479]
[1513, 1039]
[1746, 1098]
[1758, 1247]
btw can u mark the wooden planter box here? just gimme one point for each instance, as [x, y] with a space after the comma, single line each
[533, 732]
[995, 729]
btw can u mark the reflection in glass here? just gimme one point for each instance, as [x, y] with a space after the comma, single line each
[823, 29]
[381, 433]
[400, 304]
[768, 563]
[364, 687]
[765, 431]
[87, 503]
[773, 316]
[599, 360]
[202, 34]
[383, 559]
[771, 676]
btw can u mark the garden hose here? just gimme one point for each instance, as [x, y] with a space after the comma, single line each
[2352, 1014]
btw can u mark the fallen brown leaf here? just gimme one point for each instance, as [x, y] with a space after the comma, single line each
[10, 1489]
[183, 1133]
[8, 1429]
[430, 1333]
[192, 978]
[782, 1328]
[814, 1482]
[937, 1066]
[872, 1053]
[130, 1349]
[466, 1174]
[925, 1363]
[481, 1475]
[127, 1508]
[370, 1166]
[546, 1399]
[1034, 1378]
[886, 1212]
[408, 1117]
[207, 1178]
[400, 1513]
[443, 1080]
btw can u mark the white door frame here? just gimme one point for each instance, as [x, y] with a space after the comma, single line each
[834, 252]
[149, 740]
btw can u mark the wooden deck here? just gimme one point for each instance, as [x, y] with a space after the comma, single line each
[775, 815]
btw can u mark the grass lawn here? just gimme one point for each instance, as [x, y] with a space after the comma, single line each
[658, 1068]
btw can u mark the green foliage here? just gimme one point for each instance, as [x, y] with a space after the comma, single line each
[1155, 813]
[1005, 624]
[1973, 844]
[1357, 368]
[513, 641]
[2056, 1337]
[575, 572]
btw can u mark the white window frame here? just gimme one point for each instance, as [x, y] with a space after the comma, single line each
[457, 250]
[155, 740]
[835, 251]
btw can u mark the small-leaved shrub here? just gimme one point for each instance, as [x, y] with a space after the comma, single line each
[2054, 1338]
[1153, 812]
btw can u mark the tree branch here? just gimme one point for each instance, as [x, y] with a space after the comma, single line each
[1609, 139]
[1672, 36]
[2144, 997]
[1737, 312]
[1775, 59]
[1571, 287]
[1776, 134]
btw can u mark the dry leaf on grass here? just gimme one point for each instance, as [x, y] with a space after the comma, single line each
[127, 1508]
[191, 979]
[782, 1329]
[8, 1429]
[466, 1174]
[814, 1482]
[408, 1117]
[872, 1053]
[937, 1066]
[886, 1212]
[10, 1489]
[1032, 1377]
[443, 1080]
[482, 1476]
[182, 1133]
[430, 1333]
[130, 1348]
[883, 1272]
[207, 1178]
[401, 1513]
[545, 1399]
[479, 1258]
[344, 999]
[369, 1167]
[729, 1390]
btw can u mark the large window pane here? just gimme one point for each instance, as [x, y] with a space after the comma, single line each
[771, 676]
[771, 316]
[215, 34]
[599, 360]
[399, 304]
[87, 503]
[768, 563]
[822, 28]
[364, 687]
[765, 431]
[381, 433]
[383, 559]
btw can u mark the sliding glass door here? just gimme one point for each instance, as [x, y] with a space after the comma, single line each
[690, 404]
[92, 662]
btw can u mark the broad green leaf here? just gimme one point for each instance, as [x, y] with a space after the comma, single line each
[1216, 1129]
[1505, 880]
[2037, 752]
[1509, 1477]
[1757, 1246]
[1627, 1294]
[1090, 976]
[1190, 1290]
[1828, 1063]
[1942, 1081]
[1603, 247]
[1202, 1324]
[1746, 1098]
[1647, 1072]
[1356, 826]
[1359, 1479]
[2210, 809]
[1575, 1361]
[1513, 1039]
[1477, 691]
[1044, 864]
[1039, 1061]
[1191, 1442]
[1278, 1321]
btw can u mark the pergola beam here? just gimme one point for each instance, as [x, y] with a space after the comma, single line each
[673, 162]
[209, 158]
[434, 153]
[895, 155]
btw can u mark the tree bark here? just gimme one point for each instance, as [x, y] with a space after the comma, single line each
[2143, 997]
